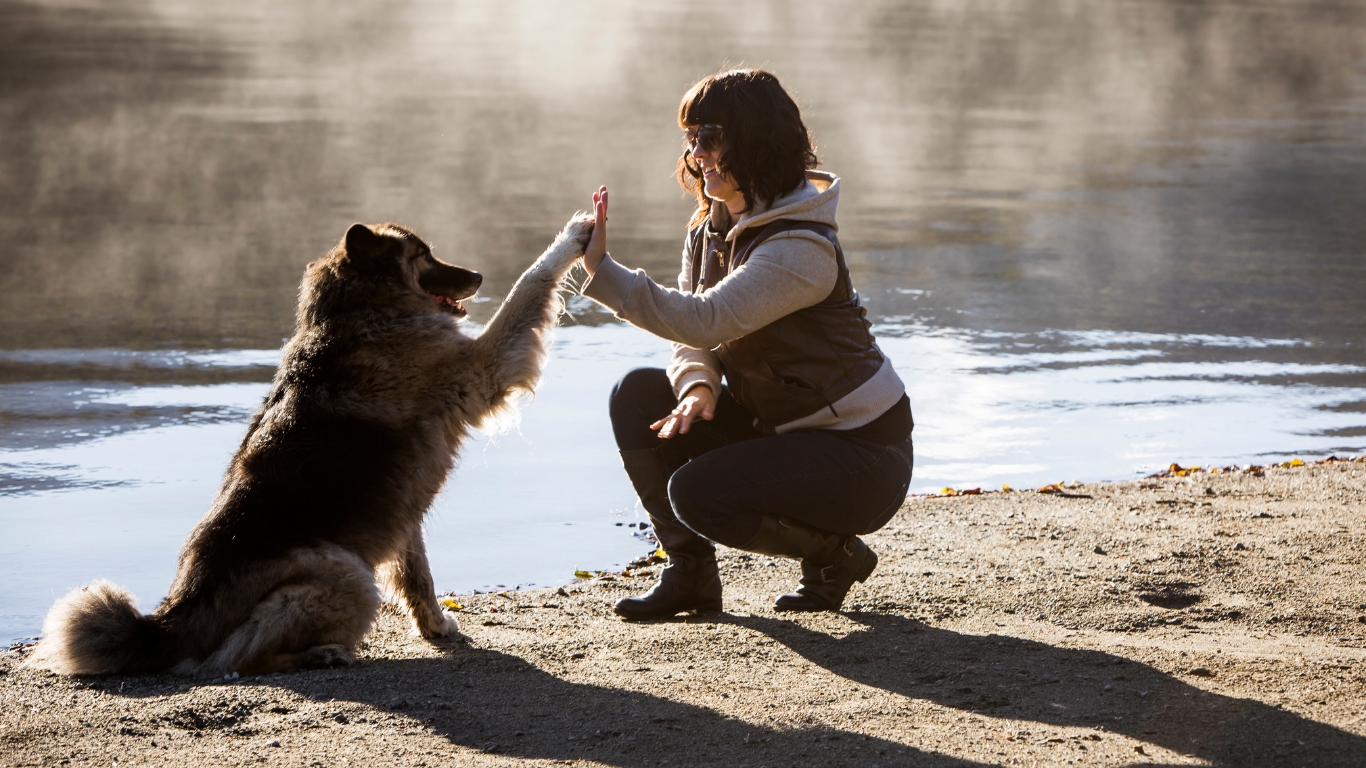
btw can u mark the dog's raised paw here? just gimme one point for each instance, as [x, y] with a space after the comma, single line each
[580, 229]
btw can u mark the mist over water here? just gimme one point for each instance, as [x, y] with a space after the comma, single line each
[1096, 238]
[170, 167]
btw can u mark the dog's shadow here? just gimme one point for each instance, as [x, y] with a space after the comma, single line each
[1015, 679]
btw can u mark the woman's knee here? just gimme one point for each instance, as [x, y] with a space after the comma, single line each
[694, 504]
[640, 398]
[641, 383]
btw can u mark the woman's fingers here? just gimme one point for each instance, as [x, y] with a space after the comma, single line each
[666, 426]
[597, 243]
[600, 206]
[600, 214]
[685, 423]
[698, 402]
[685, 413]
[677, 422]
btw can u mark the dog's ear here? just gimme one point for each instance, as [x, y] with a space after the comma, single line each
[360, 240]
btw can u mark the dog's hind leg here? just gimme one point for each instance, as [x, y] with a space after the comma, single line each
[326, 602]
[411, 578]
[317, 657]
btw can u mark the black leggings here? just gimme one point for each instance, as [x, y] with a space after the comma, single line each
[730, 475]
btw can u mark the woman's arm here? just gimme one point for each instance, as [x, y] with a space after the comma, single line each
[689, 366]
[694, 373]
[788, 272]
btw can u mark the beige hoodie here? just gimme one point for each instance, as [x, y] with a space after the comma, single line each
[787, 272]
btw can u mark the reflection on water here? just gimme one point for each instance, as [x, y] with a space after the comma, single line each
[1096, 237]
[106, 479]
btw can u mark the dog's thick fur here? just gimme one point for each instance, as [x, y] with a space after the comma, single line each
[375, 393]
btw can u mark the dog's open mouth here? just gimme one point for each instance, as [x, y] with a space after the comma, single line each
[447, 285]
[448, 305]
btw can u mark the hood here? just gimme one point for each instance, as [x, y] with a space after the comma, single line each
[813, 201]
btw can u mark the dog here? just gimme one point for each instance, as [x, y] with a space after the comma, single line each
[376, 391]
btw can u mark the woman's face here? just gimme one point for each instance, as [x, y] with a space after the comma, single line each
[717, 185]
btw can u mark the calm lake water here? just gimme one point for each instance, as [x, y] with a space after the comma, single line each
[1096, 238]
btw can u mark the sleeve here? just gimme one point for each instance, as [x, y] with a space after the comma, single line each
[790, 271]
[689, 367]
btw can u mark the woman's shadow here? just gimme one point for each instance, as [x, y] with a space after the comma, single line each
[500, 703]
[1011, 678]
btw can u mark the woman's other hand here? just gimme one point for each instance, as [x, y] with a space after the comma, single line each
[597, 244]
[698, 401]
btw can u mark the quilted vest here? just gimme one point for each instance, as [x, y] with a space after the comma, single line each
[799, 363]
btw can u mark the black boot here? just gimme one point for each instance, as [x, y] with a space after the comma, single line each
[691, 581]
[831, 563]
[810, 581]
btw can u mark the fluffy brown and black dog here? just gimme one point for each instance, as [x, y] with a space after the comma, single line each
[375, 393]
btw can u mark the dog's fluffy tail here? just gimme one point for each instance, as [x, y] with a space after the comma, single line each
[97, 630]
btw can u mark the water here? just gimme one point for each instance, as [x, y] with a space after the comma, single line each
[1096, 238]
[109, 478]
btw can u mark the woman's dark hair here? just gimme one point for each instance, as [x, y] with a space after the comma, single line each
[765, 148]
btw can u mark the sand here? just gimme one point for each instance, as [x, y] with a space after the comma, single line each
[1207, 619]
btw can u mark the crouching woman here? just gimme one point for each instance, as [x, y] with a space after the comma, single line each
[807, 444]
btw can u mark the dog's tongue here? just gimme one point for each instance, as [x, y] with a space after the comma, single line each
[448, 302]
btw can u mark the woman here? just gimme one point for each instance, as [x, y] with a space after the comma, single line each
[807, 445]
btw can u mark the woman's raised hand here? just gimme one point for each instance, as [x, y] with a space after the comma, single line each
[698, 401]
[597, 244]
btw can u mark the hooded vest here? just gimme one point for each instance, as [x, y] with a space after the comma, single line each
[802, 362]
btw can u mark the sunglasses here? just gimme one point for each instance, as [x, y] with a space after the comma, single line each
[706, 138]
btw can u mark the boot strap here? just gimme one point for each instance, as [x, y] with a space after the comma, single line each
[828, 573]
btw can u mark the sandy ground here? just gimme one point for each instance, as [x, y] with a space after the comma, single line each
[1199, 620]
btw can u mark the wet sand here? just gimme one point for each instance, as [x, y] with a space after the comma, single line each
[1201, 619]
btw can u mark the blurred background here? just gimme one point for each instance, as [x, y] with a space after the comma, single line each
[1096, 237]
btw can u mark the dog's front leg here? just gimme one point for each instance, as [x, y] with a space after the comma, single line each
[513, 345]
[412, 579]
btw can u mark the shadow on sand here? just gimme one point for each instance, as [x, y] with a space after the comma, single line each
[1011, 678]
[500, 703]
[497, 702]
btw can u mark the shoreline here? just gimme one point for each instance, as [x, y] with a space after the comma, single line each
[1060, 489]
[1197, 619]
